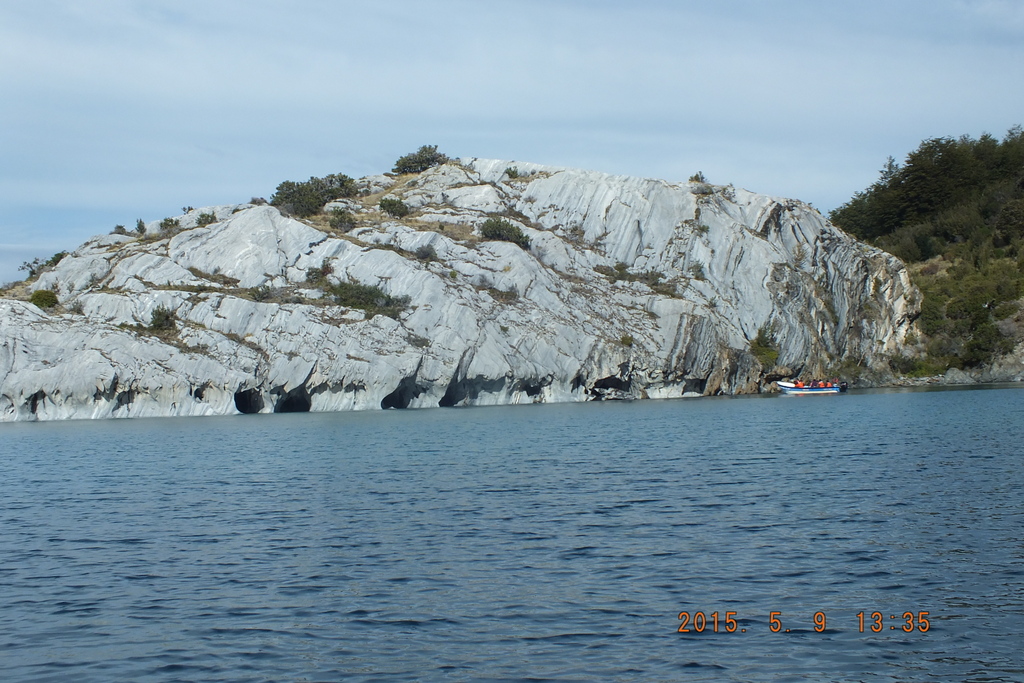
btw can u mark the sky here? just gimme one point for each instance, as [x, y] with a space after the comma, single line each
[114, 110]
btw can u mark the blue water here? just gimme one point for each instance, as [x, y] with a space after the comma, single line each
[536, 543]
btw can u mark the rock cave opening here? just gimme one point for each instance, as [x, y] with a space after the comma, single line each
[613, 382]
[295, 401]
[695, 385]
[609, 388]
[469, 388]
[403, 394]
[248, 401]
[33, 401]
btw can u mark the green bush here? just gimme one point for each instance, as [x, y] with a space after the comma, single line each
[140, 227]
[169, 225]
[44, 298]
[763, 348]
[505, 295]
[651, 278]
[504, 231]
[308, 198]
[318, 276]
[512, 172]
[369, 298]
[425, 157]
[163, 318]
[205, 219]
[394, 206]
[961, 307]
[915, 367]
[1010, 220]
[261, 293]
[426, 253]
[342, 219]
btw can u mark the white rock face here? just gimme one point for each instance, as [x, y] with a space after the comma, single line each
[630, 288]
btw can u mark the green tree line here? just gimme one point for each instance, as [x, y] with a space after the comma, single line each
[954, 211]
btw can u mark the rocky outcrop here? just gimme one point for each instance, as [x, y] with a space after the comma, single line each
[630, 288]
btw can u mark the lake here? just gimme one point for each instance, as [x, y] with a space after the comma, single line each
[541, 543]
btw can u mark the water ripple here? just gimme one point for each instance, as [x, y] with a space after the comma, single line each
[554, 543]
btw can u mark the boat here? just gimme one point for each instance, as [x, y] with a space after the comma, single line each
[791, 388]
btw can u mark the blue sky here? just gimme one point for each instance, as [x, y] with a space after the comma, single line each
[113, 110]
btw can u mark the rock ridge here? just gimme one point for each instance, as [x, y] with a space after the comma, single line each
[630, 288]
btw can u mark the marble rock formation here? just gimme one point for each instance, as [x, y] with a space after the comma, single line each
[629, 288]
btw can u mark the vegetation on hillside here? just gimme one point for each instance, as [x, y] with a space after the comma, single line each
[954, 211]
[308, 198]
[163, 318]
[764, 349]
[504, 231]
[393, 206]
[425, 157]
[37, 265]
[43, 298]
[369, 298]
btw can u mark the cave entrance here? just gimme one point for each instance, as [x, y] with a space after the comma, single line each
[608, 388]
[248, 401]
[295, 401]
[35, 399]
[403, 394]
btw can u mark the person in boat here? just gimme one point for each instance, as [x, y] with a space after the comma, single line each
[799, 384]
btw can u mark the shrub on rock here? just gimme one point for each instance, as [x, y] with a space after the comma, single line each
[502, 230]
[169, 225]
[318, 276]
[38, 265]
[205, 219]
[163, 319]
[425, 157]
[394, 207]
[369, 298]
[43, 298]
[308, 198]
[342, 219]
[763, 348]
[426, 253]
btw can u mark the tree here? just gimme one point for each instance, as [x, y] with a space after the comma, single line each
[308, 198]
[425, 157]
[961, 199]
[38, 265]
